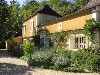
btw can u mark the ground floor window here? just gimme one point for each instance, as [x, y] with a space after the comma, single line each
[80, 42]
[3, 45]
[77, 42]
[24, 41]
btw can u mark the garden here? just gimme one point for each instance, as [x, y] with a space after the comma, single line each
[60, 58]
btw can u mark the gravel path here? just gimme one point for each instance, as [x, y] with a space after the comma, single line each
[13, 66]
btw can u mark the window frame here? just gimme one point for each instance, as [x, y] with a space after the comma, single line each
[60, 25]
[79, 44]
[31, 25]
[24, 28]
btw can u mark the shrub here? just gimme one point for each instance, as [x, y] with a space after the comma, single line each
[93, 63]
[24, 58]
[14, 48]
[28, 49]
[62, 58]
[51, 58]
[87, 59]
[12, 45]
[79, 57]
[43, 58]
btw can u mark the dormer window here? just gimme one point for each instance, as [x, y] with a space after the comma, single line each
[31, 25]
[60, 25]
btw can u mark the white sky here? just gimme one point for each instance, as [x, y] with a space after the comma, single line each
[20, 1]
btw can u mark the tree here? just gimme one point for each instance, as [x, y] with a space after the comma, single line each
[15, 18]
[5, 26]
[28, 8]
[60, 6]
[10, 20]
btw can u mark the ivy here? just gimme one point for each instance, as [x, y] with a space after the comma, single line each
[61, 38]
[90, 27]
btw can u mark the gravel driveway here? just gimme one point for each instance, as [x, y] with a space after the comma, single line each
[10, 65]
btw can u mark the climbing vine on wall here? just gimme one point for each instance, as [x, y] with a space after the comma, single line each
[90, 28]
[61, 38]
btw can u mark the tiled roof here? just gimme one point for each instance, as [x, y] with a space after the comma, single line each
[47, 10]
[89, 5]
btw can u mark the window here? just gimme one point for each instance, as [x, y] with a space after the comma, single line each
[24, 29]
[80, 42]
[77, 42]
[24, 41]
[60, 25]
[31, 25]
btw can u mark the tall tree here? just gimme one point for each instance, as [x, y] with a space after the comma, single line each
[10, 20]
[5, 27]
[15, 18]
[29, 7]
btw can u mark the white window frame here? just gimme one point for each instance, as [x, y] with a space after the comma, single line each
[24, 41]
[31, 25]
[60, 25]
[80, 43]
[24, 29]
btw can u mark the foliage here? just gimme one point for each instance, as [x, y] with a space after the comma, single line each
[63, 7]
[91, 26]
[4, 21]
[14, 48]
[61, 38]
[52, 59]
[24, 58]
[62, 58]
[10, 21]
[93, 63]
[65, 60]
[12, 45]
[73, 69]
[43, 58]
[86, 59]
[29, 8]
[16, 19]
[28, 49]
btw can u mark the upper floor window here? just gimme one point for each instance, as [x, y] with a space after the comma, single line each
[60, 25]
[24, 28]
[31, 25]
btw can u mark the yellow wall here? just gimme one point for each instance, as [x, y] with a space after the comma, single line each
[27, 24]
[69, 23]
[18, 40]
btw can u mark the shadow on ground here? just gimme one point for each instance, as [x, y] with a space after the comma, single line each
[12, 69]
[5, 53]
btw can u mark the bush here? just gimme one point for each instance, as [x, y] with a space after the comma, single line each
[86, 59]
[62, 58]
[69, 61]
[93, 63]
[12, 45]
[43, 58]
[14, 48]
[23, 58]
[51, 58]
[28, 49]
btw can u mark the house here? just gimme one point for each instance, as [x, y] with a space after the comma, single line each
[46, 21]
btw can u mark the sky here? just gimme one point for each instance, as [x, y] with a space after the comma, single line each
[20, 1]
